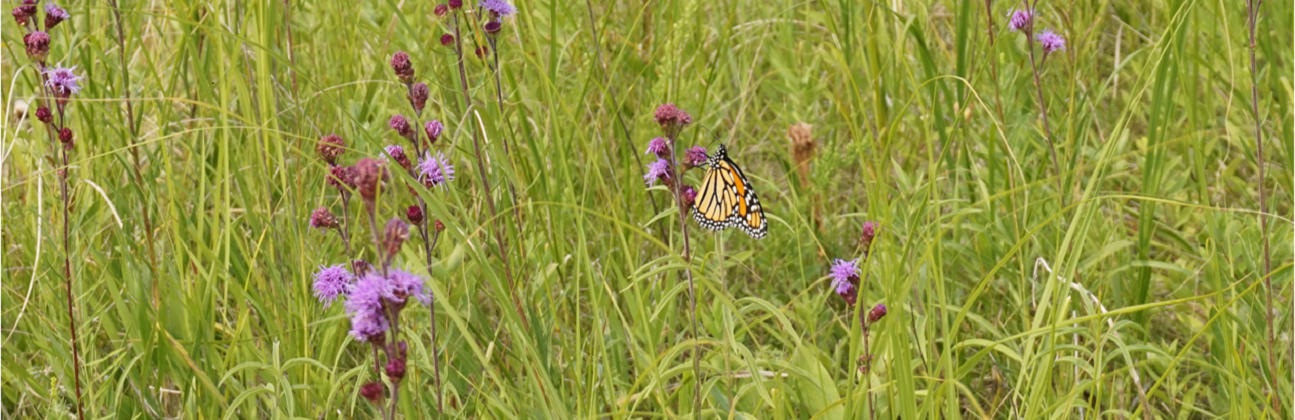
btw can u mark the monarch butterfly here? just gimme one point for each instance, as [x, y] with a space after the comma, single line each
[726, 198]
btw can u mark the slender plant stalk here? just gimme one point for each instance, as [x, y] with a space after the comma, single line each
[1043, 107]
[692, 291]
[428, 244]
[485, 183]
[512, 190]
[1252, 18]
[863, 324]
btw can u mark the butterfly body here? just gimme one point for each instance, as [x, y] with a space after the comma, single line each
[726, 199]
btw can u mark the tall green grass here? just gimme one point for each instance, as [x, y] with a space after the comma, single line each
[1008, 298]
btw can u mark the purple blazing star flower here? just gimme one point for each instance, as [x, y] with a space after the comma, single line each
[331, 282]
[54, 15]
[62, 80]
[1051, 42]
[1019, 20]
[658, 147]
[844, 275]
[695, 157]
[368, 321]
[659, 170]
[435, 170]
[498, 7]
[396, 153]
[404, 285]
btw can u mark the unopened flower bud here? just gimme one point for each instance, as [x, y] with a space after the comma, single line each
[442, 10]
[330, 147]
[395, 370]
[54, 15]
[401, 126]
[440, 227]
[37, 45]
[395, 234]
[447, 39]
[877, 313]
[418, 94]
[403, 68]
[433, 129]
[65, 135]
[493, 27]
[455, 4]
[414, 214]
[44, 115]
[368, 177]
[372, 391]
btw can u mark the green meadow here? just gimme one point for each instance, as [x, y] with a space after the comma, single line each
[1100, 231]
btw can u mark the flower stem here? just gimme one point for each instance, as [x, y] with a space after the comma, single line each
[428, 245]
[1252, 18]
[677, 184]
[485, 183]
[1043, 107]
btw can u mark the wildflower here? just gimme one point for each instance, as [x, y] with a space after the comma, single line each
[65, 135]
[498, 8]
[433, 129]
[442, 10]
[695, 157]
[447, 39]
[364, 304]
[440, 227]
[341, 177]
[672, 119]
[63, 81]
[330, 147]
[401, 125]
[482, 51]
[876, 313]
[22, 14]
[1020, 20]
[331, 282]
[368, 176]
[418, 95]
[397, 153]
[403, 68]
[405, 285]
[54, 15]
[37, 46]
[44, 115]
[658, 147]
[659, 170]
[362, 268]
[455, 4]
[687, 197]
[323, 219]
[869, 232]
[372, 391]
[414, 214]
[1051, 42]
[845, 274]
[493, 27]
[395, 369]
[394, 235]
[435, 170]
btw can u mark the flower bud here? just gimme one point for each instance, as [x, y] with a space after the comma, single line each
[482, 51]
[876, 313]
[397, 154]
[23, 14]
[493, 27]
[869, 232]
[433, 129]
[322, 219]
[44, 115]
[395, 370]
[65, 135]
[440, 227]
[330, 147]
[341, 177]
[372, 391]
[447, 39]
[394, 236]
[442, 10]
[37, 45]
[401, 126]
[414, 214]
[54, 15]
[455, 4]
[418, 94]
[403, 68]
[368, 176]
[362, 267]
[687, 197]
[672, 119]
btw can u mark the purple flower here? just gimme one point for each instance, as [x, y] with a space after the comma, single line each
[498, 7]
[404, 285]
[37, 44]
[1018, 20]
[695, 157]
[435, 170]
[869, 232]
[434, 128]
[671, 119]
[397, 153]
[331, 282]
[401, 125]
[368, 321]
[402, 67]
[876, 313]
[658, 147]
[659, 170]
[447, 39]
[54, 15]
[322, 219]
[62, 80]
[1050, 41]
[418, 94]
[844, 276]
[493, 27]
[687, 197]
